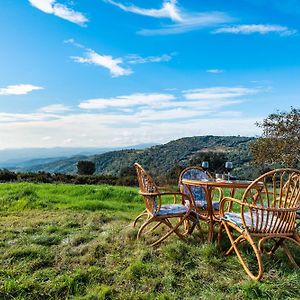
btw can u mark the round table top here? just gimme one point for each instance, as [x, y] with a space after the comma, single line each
[219, 183]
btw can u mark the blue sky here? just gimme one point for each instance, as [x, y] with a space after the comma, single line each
[94, 73]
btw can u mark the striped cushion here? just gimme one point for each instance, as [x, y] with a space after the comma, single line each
[172, 209]
[259, 219]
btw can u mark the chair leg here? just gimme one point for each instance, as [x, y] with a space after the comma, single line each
[153, 228]
[289, 255]
[242, 261]
[169, 224]
[191, 223]
[196, 223]
[295, 239]
[276, 245]
[172, 229]
[280, 242]
[148, 221]
[139, 216]
[221, 228]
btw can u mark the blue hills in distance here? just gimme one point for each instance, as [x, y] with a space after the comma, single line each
[23, 158]
[158, 159]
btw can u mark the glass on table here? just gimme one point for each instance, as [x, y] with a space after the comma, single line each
[205, 165]
[229, 168]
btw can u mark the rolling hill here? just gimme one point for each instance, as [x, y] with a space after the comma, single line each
[158, 159]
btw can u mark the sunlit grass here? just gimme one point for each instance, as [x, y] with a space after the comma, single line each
[76, 242]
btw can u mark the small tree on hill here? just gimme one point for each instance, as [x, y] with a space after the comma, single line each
[85, 167]
[280, 140]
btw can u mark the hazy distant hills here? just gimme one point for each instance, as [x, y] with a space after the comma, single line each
[23, 159]
[158, 159]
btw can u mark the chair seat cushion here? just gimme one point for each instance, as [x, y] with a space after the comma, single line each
[203, 204]
[258, 218]
[171, 209]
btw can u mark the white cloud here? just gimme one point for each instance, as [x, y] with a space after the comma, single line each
[60, 10]
[138, 99]
[106, 61]
[132, 119]
[257, 28]
[46, 138]
[218, 93]
[215, 71]
[136, 59]
[19, 89]
[55, 108]
[168, 10]
[95, 130]
[116, 66]
[182, 20]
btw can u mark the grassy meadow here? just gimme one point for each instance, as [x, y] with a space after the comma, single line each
[76, 242]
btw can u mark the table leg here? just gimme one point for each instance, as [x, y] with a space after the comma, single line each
[210, 213]
[232, 192]
[210, 231]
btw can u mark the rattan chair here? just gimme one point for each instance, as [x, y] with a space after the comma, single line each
[267, 212]
[177, 218]
[199, 196]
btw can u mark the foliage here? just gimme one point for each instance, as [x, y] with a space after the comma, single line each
[280, 141]
[59, 248]
[160, 159]
[85, 167]
[6, 175]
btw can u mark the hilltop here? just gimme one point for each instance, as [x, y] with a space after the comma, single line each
[159, 159]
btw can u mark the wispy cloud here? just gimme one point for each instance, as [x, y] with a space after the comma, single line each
[136, 59]
[114, 65]
[257, 28]
[168, 10]
[60, 10]
[197, 101]
[215, 71]
[182, 20]
[218, 93]
[19, 89]
[134, 100]
[133, 119]
[98, 130]
[55, 108]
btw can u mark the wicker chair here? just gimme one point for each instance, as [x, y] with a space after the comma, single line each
[173, 216]
[199, 197]
[267, 212]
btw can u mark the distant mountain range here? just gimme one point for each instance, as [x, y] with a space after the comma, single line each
[159, 159]
[21, 159]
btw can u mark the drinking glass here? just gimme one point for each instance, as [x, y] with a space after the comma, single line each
[205, 165]
[228, 167]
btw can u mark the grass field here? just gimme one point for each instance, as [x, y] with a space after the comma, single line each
[76, 242]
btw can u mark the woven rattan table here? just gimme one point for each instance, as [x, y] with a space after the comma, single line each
[211, 216]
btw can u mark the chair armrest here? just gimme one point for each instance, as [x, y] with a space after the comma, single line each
[231, 201]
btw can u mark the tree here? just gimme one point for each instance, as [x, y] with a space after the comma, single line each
[280, 140]
[85, 167]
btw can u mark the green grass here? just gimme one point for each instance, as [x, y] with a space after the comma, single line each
[76, 242]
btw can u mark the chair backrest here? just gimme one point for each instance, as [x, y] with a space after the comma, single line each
[194, 173]
[147, 185]
[273, 200]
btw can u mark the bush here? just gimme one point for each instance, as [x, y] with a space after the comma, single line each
[6, 175]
